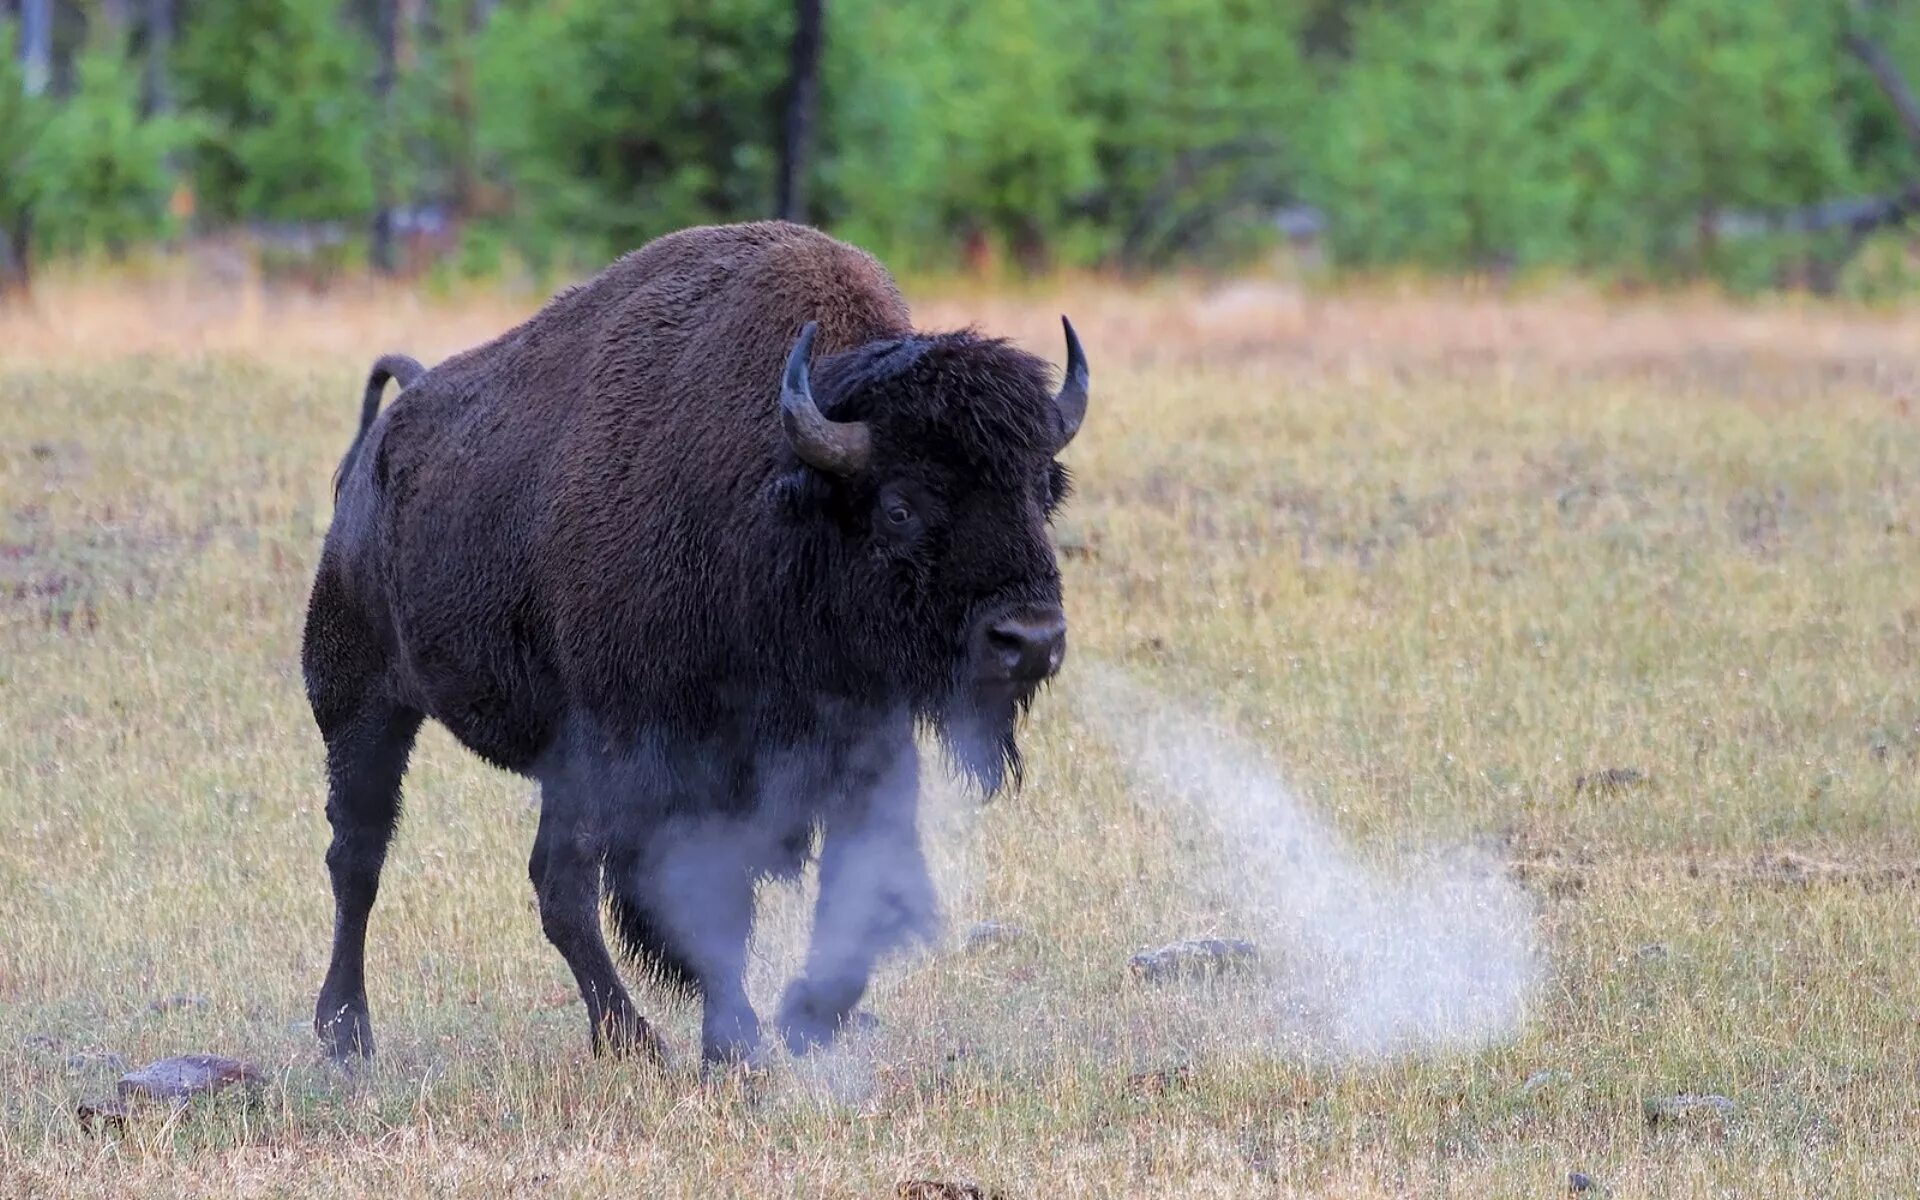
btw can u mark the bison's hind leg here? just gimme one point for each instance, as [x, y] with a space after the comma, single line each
[366, 756]
[368, 734]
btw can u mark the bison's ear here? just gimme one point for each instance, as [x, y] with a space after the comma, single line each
[1072, 399]
[837, 447]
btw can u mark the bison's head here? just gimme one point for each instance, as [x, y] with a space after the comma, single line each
[934, 461]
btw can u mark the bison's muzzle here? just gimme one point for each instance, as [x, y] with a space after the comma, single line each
[1023, 647]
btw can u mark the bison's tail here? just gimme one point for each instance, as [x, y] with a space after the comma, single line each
[643, 938]
[397, 367]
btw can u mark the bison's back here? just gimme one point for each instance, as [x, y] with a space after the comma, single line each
[546, 507]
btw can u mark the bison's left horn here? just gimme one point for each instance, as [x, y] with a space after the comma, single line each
[1072, 400]
[837, 447]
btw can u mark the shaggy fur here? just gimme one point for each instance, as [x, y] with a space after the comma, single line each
[588, 549]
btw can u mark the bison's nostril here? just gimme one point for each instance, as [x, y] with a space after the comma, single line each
[1030, 644]
[1007, 646]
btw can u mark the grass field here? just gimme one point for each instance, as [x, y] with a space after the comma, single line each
[1623, 593]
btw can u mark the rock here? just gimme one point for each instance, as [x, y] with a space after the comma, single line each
[1194, 958]
[933, 1189]
[1652, 952]
[188, 1076]
[1576, 1182]
[167, 1004]
[1160, 1080]
[101, 1116]
[88, 1060]
[1687, 1106]
[987, 935]
[1543, 1079]
[559, 996]
[1612, 781]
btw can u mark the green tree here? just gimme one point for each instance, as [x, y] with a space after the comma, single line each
[284, 87]
[1196, 105]
[615, 122]
[22, 120]
[96, 172]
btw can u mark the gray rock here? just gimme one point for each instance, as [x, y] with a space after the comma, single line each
[1612, 781]
[167, 1004]
[1576, 1182]
[1194, 958]
[90, 1060]
[988, 935]
[1687, 1106]
[188, 1076]
[1543, 1079]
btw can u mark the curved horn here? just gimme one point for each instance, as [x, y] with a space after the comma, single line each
[1072, 398]
[837, 447]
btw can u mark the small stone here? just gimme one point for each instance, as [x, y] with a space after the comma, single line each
[167, 1004]
[1196, 957]
[1612, 781]
[101, 1116]
[188, 1076]
[1160, 1080]
[1543, 1079]
[1577, 1182]
[987, 935]
[90, 1060]
[1685, 1106]
[933, 1189]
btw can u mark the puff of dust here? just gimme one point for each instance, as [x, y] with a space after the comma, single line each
[1439, 953]
[845, 1074]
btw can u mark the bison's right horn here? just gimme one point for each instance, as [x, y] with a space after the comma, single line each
[1072, 398]
[837, 447]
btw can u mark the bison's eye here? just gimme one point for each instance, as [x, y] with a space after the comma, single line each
[897, 512]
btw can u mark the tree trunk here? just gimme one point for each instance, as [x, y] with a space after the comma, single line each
[803, 85]
[1891, 81]
[115, 18]
[16, 256]
[460, 102]
[36, 44]
[158, 83]
[386, 36]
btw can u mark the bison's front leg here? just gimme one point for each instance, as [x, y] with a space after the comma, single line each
[697, 889]
[875, 897]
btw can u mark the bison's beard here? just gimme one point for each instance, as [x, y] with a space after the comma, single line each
[977, 728]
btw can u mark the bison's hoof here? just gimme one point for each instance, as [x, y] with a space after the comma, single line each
[730, 1037]
[629, 1035]
[346, 1034]
[807, 1026]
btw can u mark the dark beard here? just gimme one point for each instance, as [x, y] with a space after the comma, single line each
[976, 727]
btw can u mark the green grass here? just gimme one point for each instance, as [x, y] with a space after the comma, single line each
[1434, 558]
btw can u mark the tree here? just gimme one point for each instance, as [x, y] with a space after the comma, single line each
[282, 87]
[803, 81]
[386, 38]
[22, 117]
[98, 176]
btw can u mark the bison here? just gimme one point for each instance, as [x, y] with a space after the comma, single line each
[699, 547]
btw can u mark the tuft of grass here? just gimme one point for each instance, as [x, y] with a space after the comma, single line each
[1625, 591]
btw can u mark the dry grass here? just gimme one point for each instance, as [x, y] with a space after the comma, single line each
[1440, 555]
